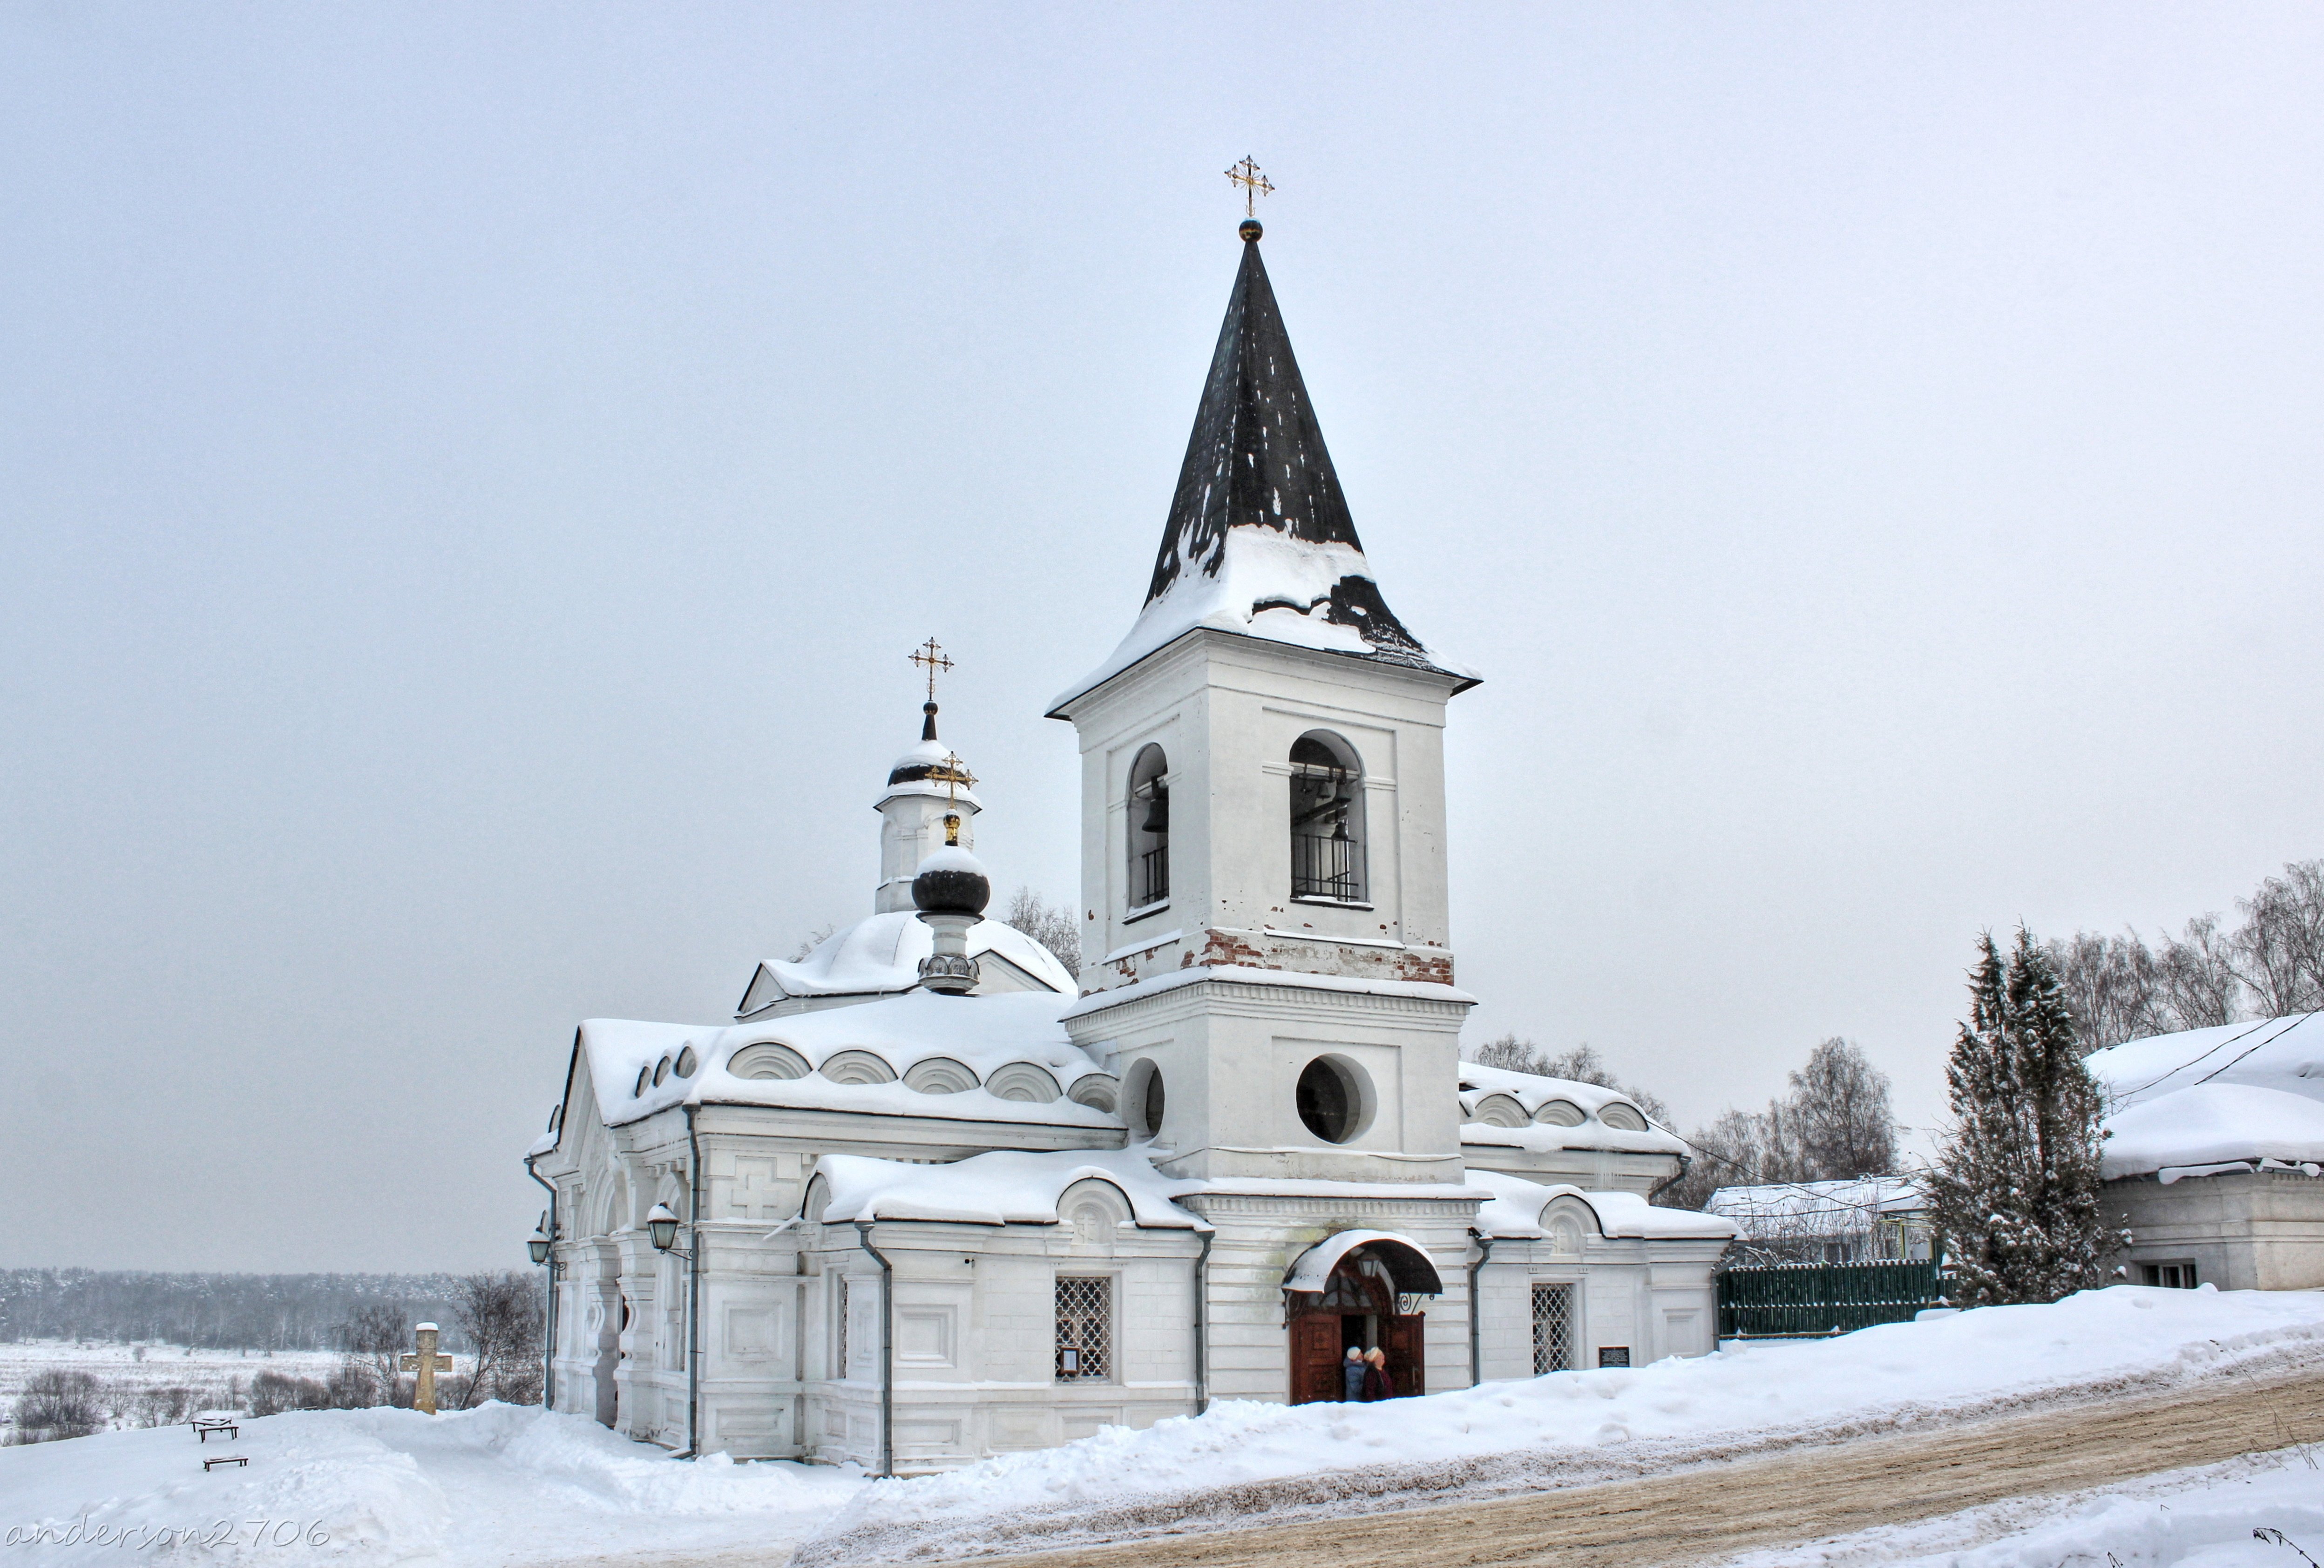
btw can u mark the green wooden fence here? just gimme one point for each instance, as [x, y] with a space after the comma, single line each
[1795, 1300]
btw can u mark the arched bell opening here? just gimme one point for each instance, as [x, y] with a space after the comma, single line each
[1149, 829]
[1327, 819]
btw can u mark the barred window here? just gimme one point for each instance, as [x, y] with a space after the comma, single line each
[1552, 1328]
[1084, 1329]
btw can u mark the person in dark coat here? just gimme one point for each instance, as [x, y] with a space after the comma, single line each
[1352, 1375]
[1377, 1384]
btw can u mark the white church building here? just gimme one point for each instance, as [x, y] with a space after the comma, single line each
[930, 1197]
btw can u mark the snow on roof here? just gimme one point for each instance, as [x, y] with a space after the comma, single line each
[1007, 1186]
[1011, 1186]
[2237, 1092]
[1591, 1137]
[925, 771]
[1514, 1209]
[2283, 1052]
[1536, 1095]
[1241, 975]
[1794, 1206]
[882, 953]
[1407, 1262]
[1257, 569]
[2214, 1124]
[987, 1058]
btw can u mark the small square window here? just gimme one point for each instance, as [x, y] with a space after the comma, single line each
[2171, 1276]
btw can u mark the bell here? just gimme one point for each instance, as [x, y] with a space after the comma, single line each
[1157, 816]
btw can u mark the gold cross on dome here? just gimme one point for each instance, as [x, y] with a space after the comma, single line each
[957, 777]
[931, 654]
[1254, 184]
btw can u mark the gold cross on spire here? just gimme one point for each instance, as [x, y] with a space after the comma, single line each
[931, 654]
[1254, 184]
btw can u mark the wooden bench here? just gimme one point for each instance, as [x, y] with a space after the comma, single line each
[214, 1460]
[202, 1430]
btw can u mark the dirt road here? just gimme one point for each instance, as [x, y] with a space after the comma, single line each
[1705, 1514]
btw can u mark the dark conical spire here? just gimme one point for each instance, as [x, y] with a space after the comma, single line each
[1257, 460]
[1259, 542]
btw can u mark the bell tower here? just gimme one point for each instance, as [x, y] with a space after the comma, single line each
[1269, 958]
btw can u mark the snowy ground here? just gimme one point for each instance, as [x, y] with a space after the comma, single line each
[496, 1485]
[130, 1369]
[506, 1486]
[2185, 1519]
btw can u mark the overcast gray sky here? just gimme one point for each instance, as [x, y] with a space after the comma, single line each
[469, 478]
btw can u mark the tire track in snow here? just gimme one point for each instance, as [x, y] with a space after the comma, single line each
[1681, 1504]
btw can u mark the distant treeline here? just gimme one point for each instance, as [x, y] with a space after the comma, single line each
[258, 1312]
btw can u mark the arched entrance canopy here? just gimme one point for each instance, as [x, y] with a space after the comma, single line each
[1406, 1264]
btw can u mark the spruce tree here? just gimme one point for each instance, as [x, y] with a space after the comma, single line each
[2015, 1191]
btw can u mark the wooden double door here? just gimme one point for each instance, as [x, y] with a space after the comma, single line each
[1356, 1310]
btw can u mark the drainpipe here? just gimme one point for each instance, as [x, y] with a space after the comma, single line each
[693, 1291]
[1203, 1326]
[548, 1316]
[1476, 1345]
[887, 1349]
[1685, 1162]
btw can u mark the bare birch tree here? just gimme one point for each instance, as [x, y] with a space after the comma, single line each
[1052, 926]
[1841, 1125]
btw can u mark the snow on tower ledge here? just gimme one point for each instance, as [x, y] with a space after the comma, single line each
[1260, 541]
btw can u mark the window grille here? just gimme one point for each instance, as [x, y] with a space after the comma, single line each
[1153, 881]
[1084, 1329]
[1552, 1328]
[1326, 868]
[2172, 1276]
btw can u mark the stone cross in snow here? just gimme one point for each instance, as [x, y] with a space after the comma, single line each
[427, 1363]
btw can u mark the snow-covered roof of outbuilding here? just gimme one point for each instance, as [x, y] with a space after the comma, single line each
[2230, 1097]
[2210, 1126]
[1260, 541]
[1007, 1186]
[1527, 1111]
[1515, 1211]
[969, 1059]
[881, 954]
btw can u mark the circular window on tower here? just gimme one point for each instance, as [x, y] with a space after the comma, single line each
[1334, 1099]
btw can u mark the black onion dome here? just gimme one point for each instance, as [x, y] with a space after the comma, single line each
[952, 881]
